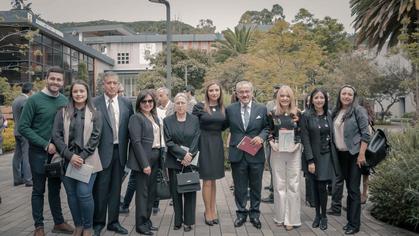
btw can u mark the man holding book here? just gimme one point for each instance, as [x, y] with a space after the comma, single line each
[247, 120]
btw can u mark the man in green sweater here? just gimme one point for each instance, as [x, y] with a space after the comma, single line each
[36, 126]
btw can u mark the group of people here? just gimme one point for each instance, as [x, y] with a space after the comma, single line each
[106, 135]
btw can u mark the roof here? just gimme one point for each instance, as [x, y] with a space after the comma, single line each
[26, 18]
[154, 38]
[101, 30]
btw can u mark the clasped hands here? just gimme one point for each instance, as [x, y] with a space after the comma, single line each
[187, 159]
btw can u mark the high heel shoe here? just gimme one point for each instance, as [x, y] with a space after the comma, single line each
[208, 222]
[215, 221]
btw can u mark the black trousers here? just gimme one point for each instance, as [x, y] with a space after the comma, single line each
[352, 175]
[146, 193]
[319, 193]
[107, 190]
[184, 204]
[337, 193]
[247, 175]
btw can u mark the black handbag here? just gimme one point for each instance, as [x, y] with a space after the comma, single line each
[378, 148]
[163, 188]
[188, 181]
[54, 168]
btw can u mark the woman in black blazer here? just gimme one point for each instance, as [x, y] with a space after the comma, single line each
[319, 152]
[181, 133]
[350, 123]
[144, 158]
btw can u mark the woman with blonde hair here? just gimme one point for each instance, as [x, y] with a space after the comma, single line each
[286, 158]
[211, 115]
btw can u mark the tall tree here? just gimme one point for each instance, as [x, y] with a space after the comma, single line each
[205, 26]
[236, 42]
[263, 17]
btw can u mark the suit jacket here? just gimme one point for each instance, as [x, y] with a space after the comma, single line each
[17, 107]
[106, 140]
[310, 135]
[141, 141]
[258, 126]
[176, 136]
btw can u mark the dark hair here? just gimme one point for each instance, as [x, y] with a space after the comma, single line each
[27, 87]
[190, 89]
[70, 106]
[306, 102]
[311, 107]
[365, 104]
[338, 106]
[141, 96]
[54, 69]
[220, 101]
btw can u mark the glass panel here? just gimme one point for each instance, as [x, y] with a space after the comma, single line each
[66, 49]
[47, 41]
[57, 45]
[66, 62]
[48, 56]
[37, 52]
[58, 58]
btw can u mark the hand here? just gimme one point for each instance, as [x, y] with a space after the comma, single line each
[51, 149]
[147, 170]
[256, 141]
[312, 168]
[76, 161]
[188, 157]
[274, 146]
[185, 163]
[361, 160]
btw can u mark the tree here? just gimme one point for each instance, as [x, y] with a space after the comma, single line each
[235, 43]
[82, 72]
[205, 26]
[263, 17]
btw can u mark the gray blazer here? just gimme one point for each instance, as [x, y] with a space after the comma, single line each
[17, 107]
[356, 129]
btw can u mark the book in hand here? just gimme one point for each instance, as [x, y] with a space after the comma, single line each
[246, 146]
[81, 174]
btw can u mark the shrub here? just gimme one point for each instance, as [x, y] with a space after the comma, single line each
[9, 142]
[395, 186]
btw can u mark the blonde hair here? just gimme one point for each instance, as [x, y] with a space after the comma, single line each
[292, 108]
[179, 95]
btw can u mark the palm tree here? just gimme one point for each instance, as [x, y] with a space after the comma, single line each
[234, 43]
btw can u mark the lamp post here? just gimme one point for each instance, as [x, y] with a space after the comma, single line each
[168, 46]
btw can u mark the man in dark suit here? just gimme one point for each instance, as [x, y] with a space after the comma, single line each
[21, 169]
[113, 155]
[247, 118]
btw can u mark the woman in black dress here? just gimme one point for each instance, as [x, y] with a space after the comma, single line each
[211, 161]
[181, 133]
[320, 154]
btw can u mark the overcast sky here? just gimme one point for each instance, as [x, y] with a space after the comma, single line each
[224, 13]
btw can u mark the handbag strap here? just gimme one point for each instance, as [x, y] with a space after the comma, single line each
[190, 166]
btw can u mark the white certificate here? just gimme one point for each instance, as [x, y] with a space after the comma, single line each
[82, 174]
[286, 141]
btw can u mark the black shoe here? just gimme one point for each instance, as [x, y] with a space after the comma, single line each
[215, 221]
[239, 222]
[171, 203]
[17, 183]
[123, 210]
[345, 208]
[144, 232]
[29, 184]
[208, 222]
[97, 229]
[269, 200]
[323, 223]
[333, 212]
[267, 187]
[177, 227]
[346, 227]
[256, 223]
[117, 228]
[155, 210]
[187, 228]
[316, 222]
[154, 228]
[351, 230]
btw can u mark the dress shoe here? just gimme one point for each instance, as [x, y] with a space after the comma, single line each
[351, 230]
[215, 221]
[17, 183]
[316, 222]
[97, 229]
[208, 222]
[154, 228]
[39, 231]
[187, 228]
[144, 232]
[269, 200]
[29, 184]
[155, 210]
[323, 223]
[171, 203]
[333, 212]
[123, 210]
[239, 222]
[267, 187]
[346, 227]
[177, 227]
[117, 228]
[63, 228]
[289, 227]
[256, 223]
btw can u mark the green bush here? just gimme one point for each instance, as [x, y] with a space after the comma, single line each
[9, 142]
[395, 186]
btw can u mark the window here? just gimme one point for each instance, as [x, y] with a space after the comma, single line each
[123, 58]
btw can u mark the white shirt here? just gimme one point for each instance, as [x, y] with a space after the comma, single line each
[249, 108]
[115, 106]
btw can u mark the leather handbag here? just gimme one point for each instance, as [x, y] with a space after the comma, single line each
[378, 148]
[163, 188]
[54, 168]
[188, 181]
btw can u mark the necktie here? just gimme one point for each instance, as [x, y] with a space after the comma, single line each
[246, 116]
[111, 114]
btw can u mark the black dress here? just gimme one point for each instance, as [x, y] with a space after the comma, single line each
[211, 157]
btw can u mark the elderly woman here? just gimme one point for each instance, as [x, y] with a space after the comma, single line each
[350, 123]
[181, 133]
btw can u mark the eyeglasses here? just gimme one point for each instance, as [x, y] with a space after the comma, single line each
[147, 101]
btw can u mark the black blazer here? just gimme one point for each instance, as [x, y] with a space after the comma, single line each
[175, 137]
[310, 135]
[106, 140]
[258, 126]
[141, 141]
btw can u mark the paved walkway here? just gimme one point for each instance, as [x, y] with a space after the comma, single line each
[16, 218]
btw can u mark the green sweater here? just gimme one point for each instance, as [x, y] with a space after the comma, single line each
[38, 117]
